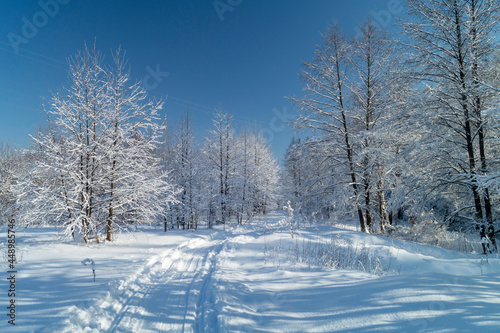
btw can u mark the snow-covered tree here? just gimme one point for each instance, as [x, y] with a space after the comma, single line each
[221, 159]
[11, 165]
[374, 87]
[293, 173]
[184, 164]
[262, 180]
[311, 184]
[452, 43]
[246, 174]
[95, 170]
[240, 174]
[349, 101]
[324, 108]
[138, 190]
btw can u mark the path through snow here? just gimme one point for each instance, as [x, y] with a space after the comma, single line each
[166, 295]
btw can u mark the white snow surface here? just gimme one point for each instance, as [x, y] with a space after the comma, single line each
[242, 280]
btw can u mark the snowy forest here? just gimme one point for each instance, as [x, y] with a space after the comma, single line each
[106, 161]
[404, 130]
[390, 130]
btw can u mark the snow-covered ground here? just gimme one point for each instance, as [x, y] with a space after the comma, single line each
[247, 279]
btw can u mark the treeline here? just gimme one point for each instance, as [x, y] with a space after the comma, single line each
[107, 161]
[403, 128]
[400, 128]
[225, 177]
[11, 162]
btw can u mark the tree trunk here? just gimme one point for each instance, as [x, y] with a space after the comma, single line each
[349, 153]
[368, 214]
[467, 120]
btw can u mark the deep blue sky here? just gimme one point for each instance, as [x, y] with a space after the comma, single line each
[247, 63]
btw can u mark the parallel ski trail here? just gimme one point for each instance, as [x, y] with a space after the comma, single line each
[166, 295]
[201, 312]
[135, 300]
[171, 297]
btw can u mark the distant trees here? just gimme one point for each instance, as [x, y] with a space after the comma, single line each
[94, 170]
[310, 181]
[186, 173]
[264, 177]
[221, 157]
[180, 154]
[11, 165]
[226, 176]
[244, 170]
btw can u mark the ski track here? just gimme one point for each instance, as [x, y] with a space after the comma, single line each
[167, 294]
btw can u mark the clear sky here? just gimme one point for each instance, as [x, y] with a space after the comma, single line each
[242, 55]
